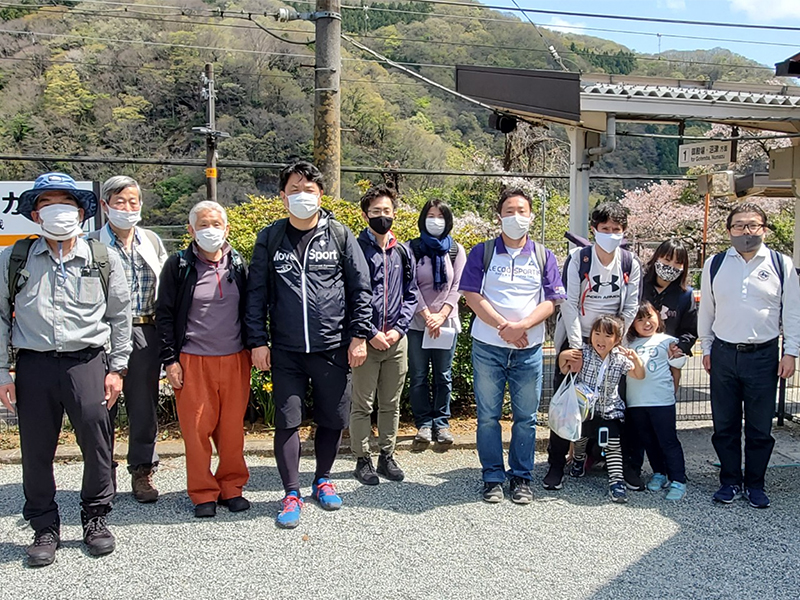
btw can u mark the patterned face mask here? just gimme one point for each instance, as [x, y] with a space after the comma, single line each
[667, 272]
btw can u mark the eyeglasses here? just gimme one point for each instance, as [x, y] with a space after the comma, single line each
[377, 213]
[748, 227]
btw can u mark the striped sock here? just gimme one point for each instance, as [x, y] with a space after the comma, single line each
[614, 460]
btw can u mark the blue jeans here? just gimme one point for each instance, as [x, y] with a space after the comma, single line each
[522, 369]
[429, 410]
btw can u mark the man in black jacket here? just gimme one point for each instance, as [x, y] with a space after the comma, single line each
[308, 273]
[201, 300]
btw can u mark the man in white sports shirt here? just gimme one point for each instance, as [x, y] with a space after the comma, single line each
[601, 279]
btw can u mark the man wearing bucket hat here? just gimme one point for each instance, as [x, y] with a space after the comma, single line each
[143, 255]
[62, 299]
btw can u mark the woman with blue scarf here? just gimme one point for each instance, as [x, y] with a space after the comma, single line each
[434, 330]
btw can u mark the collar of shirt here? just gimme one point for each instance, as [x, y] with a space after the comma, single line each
[80, 249]
[762, 252]
[226, 249]
[391, 241]
[136, 238]
[500, 246]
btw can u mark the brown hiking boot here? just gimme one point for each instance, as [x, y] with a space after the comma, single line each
[142, 485]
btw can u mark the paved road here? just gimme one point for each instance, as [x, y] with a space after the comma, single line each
[428, 537]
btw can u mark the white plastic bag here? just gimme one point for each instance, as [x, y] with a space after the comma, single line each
[565, 416]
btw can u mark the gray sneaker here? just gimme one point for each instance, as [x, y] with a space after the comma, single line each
[444, 437]
[492, 492]
[521, 491]
[424, 435]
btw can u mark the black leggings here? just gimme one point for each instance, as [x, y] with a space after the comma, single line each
[287, 454]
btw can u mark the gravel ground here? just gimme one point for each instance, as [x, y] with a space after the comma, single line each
[429, 536]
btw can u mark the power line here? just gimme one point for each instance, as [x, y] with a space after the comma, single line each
[609, 16]
[148, 43]
[308, 78]
[464, 44]
[244, 164]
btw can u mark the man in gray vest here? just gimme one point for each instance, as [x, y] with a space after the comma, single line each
[69, 299]
[143, 255]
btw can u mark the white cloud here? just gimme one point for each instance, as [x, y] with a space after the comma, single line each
[774, 10]
[559, 24]
[675, 5]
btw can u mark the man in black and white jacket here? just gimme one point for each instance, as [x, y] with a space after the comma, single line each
[308, 274]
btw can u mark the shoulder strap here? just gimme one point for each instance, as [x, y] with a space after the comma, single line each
[541, 256]
[408, 273]
[627, 263]
[99, 253]
[275, 234]
[488, 253]
[17, 274]
[453, 252]
[777, 262]
[585, 264]
[716, 263]
[152, 237]
[339, 233]
[416, 248]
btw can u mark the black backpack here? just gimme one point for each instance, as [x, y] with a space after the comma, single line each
[18, 275]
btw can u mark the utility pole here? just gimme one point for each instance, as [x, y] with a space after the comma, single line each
[327, 98]
[210, 131]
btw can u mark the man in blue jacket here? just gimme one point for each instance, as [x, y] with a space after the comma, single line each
[394, 302]
[307, 276]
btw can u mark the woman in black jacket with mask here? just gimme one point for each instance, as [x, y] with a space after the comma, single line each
[666, 287]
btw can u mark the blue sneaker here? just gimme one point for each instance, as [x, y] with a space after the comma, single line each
[617, 493]
[727, 493]
[324, 492]
[677, 491]
[657, 482]
[578, 468]
[757, 498]
[289, 517]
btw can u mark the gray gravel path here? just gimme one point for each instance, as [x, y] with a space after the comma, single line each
[429, 536]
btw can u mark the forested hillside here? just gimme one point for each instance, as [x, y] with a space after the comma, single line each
[117, 79]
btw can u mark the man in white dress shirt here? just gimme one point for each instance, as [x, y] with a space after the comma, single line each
[748, 291]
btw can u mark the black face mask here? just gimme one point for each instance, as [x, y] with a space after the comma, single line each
[381, 225]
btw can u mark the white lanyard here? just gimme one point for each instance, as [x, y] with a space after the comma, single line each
[601, 372]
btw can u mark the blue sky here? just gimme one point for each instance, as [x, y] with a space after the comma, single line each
[766, 47]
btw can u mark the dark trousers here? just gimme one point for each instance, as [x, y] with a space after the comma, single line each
[328, 372]
[653, 429]
[47, 385]
[140, 391]
[743, 383]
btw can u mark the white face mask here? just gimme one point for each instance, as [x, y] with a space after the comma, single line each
[608, 241]
[124, 219]
[303, 205]
[516, 226]
[435, 226]
[60, 221]
[210, 239]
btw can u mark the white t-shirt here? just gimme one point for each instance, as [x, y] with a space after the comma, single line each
[605, 297]
[657, 388]
[513, 286]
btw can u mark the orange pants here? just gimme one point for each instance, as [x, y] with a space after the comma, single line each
[211, 406]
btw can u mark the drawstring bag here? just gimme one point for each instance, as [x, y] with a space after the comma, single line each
[565, 415]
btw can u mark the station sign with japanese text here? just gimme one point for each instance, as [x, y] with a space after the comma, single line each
[714, 152]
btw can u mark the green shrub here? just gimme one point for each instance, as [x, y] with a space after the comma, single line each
[246, 220]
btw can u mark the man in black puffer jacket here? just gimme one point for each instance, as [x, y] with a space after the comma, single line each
[310, 282]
